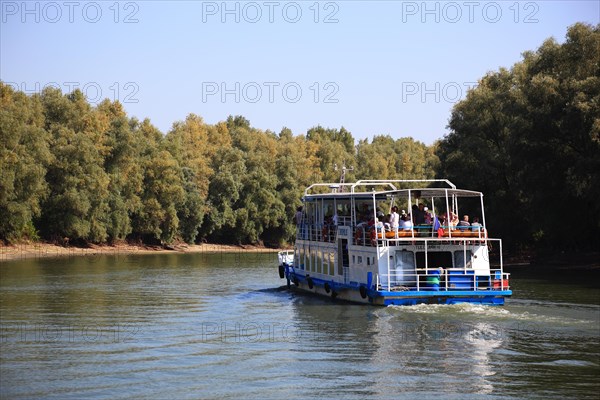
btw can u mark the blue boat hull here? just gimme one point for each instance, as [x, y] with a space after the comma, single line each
[357, 293]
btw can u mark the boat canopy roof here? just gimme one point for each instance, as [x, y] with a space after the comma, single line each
[387, 188]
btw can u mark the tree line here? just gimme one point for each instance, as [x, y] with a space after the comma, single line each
[527, 137]
[75, 172]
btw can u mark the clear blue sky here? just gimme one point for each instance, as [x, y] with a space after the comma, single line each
[374, 67]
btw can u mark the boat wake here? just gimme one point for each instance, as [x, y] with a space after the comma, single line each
[497, 314]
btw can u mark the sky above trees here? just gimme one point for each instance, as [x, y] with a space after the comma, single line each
[383, 67]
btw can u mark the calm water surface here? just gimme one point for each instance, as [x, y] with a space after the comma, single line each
[221, 326]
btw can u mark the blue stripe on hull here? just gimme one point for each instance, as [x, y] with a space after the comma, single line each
[450, 299]
[405, 298]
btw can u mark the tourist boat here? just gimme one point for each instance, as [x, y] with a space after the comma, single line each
[344, 249]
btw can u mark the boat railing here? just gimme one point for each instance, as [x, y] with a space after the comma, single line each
[317, 233]
[364, 235]
[444, 279]
[286, 257]
[370, 236]
[366, 183]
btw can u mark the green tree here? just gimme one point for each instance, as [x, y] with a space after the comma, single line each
[163, 191]
[529, 138]
[121, 149]
[77, 205]
[335, 148]
[189, 144]
[24, 157]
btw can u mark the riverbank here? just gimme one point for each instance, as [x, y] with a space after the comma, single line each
[43, 250]
[571, 267]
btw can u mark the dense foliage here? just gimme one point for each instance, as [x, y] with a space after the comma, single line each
[528, 137]
[76, 173]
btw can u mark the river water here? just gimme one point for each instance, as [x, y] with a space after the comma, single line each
[222, 326]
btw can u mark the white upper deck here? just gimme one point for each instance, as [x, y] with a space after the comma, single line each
[368, 188]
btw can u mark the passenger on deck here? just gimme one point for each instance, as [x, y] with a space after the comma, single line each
[476, 226]
[378, 226]
[464, 224]
[298, 216]
[453, 220]
[379, 220]
[427, 218]
[406, 223]
[394, 219]
[386, 223]
[372, 221]
[419, 214]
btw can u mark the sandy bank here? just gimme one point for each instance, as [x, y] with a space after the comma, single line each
[41, 250]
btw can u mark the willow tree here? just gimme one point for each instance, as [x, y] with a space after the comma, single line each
[335, 148]
[77, 204]
[162, 193]
[121, 152]
[188, 142]
[24, 158]
[402, 158]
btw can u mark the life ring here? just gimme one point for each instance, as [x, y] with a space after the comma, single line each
[281, 271]
[363, 292]
[310, 282]
[327, 287]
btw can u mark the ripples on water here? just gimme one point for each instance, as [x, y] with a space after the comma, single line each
[220, 326]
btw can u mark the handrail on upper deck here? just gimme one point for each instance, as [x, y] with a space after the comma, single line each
[376, 182]
[390, 182]
[331, 185]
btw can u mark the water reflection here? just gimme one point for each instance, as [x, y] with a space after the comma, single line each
[219, 326]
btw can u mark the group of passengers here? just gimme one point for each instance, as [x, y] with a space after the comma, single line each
[419, 218]
[465, 225]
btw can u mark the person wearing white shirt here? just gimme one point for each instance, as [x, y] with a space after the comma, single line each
[395, 220]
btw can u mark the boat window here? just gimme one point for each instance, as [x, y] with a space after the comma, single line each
[435, 259]
[403, 272]
[319, 261]
[331, 262]
[328, 208]
[360, 259]
[300, 261]
[459, 259]
[322, 262]
[407, 257]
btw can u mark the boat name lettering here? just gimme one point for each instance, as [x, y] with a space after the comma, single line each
[429, 246]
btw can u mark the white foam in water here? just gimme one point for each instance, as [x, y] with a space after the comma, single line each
[497, 313]
[453, 308]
